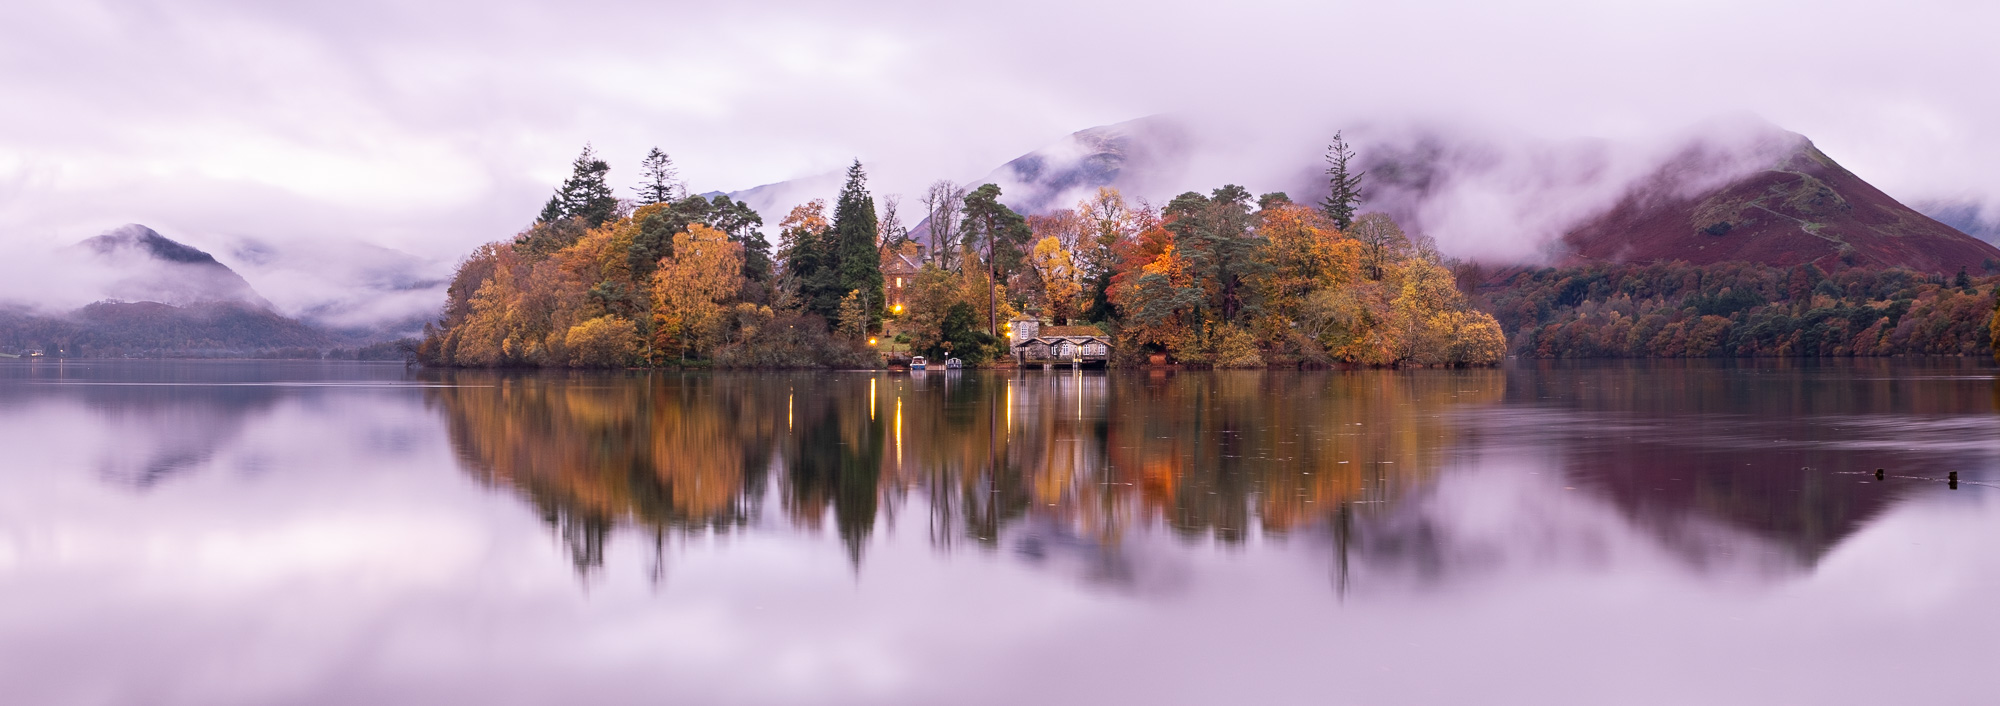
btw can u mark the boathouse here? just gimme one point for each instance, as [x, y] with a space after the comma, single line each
[1077, 346]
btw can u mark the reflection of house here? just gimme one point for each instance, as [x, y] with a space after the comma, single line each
[899, 273]
[1035, 344]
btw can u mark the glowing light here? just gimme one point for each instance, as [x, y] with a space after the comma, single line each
[897, 308]
[871, 340]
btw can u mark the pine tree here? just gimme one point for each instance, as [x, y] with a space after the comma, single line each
[661, 181]
[857, 262]
[1003, 234]
[584, 195]
[1344, 189]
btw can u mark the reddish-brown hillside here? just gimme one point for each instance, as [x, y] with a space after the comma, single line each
[1804, 209]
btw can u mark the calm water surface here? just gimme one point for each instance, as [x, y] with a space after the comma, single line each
[1631, 533]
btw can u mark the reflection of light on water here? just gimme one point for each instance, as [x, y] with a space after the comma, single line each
[871, 399]
[899, 431]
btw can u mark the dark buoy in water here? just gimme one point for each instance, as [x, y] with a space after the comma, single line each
[1954, 480]
[1878, 474]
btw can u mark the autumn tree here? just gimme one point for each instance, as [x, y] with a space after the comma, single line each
[1304, 254]
[741, 222]
[1053, 268]
[659, 181]
[602, 342]
[1111, 223]
[1382, 242]
[691, 289]
[852, 317]
[802, 246]
[1157, 304]
[1343, 186]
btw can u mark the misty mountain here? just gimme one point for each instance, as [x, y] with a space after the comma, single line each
[1802, 208]
[159, 297]
[1722, 191]
[1969, 217]
[143, 265]
[343, 284]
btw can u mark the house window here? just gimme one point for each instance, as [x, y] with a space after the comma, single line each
[899, 283]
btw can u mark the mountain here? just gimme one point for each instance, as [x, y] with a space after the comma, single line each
[159, 297]
[1969, 217]
[145, 266]
[344, 284]
[1137, 156]
[1802, 208]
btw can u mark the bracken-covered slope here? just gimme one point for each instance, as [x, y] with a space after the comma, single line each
[1804, 209]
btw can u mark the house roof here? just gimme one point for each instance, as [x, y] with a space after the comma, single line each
[898, 262]
[1062, 339]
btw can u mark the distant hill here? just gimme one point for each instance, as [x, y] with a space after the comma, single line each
[1805, 208]
[162, 298]
[148, 266]
[1970, 218]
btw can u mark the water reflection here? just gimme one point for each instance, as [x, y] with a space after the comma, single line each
[1755, 469]
[367, 534]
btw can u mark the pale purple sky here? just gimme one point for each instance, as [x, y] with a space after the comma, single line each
[430, 127]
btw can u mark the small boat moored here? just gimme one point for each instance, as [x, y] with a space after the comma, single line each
[917, 363]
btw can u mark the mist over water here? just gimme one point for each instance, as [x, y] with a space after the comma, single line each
[1653, 532]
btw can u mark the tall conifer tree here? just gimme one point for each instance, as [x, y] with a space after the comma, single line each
[660, 182]
[1344, 188]
[584, 195]
[857, 262]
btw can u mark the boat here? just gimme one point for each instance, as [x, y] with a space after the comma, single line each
[953, 364]
[917, 363]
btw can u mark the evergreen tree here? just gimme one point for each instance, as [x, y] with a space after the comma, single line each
[584, 195]
[740, 221]
[1344, 189]
[1003, 235]
[658, 224]
[857, 262]
[1214, 234]
[661, 183]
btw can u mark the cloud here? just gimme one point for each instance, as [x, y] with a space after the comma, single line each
[431, 127]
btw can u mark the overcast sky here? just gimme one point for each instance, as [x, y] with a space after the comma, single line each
[431, 127]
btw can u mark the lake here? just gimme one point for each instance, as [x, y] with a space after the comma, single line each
[187, 532]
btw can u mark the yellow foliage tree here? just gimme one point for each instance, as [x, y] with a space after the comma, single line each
[690, 288]
[1057, 270]
[602, 342]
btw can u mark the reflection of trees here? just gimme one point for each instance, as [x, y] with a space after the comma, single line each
[666, 454]
[1075, 460]
[1776, 448]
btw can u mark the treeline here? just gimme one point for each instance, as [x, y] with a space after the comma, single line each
[1677, 310]
[112, 329]
[1219, 280]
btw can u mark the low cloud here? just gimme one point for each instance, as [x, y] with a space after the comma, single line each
[430, 128]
